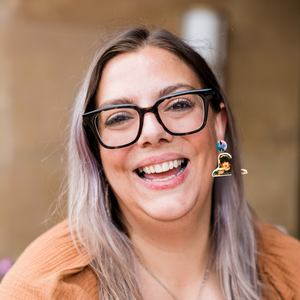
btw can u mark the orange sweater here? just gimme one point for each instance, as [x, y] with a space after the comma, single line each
[51, 268]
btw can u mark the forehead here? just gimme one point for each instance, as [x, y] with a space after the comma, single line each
[143, 74]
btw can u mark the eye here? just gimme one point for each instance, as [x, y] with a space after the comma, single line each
[180, 105]
[118, 119]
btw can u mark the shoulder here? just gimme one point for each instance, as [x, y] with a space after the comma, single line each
[279, 262]
[50, 268]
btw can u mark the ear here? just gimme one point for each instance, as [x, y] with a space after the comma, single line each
[221, 122]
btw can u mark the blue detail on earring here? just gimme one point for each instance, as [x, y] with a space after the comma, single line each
[221, 145]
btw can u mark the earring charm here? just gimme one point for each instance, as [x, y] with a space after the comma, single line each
[224, 162]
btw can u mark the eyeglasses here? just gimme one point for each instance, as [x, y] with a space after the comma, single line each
[121, 125]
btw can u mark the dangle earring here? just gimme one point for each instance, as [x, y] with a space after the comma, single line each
[107, 200]
[224, 162]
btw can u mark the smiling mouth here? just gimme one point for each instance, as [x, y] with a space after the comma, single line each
[163, 171]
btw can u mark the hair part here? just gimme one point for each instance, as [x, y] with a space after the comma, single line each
[105, 240]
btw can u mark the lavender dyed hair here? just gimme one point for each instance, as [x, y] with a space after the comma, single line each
[105, 238]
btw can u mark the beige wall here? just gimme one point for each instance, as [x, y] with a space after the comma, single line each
[44, 49]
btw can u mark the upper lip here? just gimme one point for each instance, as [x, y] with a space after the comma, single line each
[158, 159]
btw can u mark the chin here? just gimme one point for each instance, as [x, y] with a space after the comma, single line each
[170, 209]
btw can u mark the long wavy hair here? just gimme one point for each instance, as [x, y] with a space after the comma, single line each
[104, 237]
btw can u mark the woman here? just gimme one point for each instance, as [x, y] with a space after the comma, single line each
[147, 218]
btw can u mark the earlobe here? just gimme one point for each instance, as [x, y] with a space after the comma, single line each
[221, 122]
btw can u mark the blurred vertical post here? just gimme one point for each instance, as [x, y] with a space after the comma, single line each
[6, 130]
[298, 215]
[205, 30]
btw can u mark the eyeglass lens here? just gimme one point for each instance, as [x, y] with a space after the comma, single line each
[181, 114]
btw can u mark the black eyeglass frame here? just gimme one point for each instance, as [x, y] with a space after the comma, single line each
[89, 118]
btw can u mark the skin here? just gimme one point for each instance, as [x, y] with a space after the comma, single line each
[226, 165]
[168, 223]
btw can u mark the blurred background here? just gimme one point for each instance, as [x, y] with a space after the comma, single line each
[45, 48]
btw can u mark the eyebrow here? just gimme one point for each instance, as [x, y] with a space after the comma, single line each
[113, 102]
[164, 92]
[173, 88]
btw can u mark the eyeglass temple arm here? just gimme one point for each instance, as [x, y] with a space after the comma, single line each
[215, 95]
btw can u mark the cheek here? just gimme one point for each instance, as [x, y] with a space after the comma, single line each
[205, 148]
[113, 161]
[204, 152]
[208, 137]
[117, 173]
[212, 135]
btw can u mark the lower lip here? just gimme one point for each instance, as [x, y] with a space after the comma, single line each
[162, 185]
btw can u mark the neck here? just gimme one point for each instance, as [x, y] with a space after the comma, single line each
[176, 251]
[179, 236]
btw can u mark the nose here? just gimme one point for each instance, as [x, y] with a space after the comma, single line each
[153, 134]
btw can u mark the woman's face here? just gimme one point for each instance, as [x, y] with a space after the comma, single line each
[226, 165]
[141, 78]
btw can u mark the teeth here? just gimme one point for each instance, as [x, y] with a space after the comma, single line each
[159, 168]
[163, 179]
[176, 163]
[165, 167]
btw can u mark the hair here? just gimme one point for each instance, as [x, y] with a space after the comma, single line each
[104, 237]
[224, 157]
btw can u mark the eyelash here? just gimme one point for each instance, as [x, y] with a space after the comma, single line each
[114, 119]
[185, 102]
